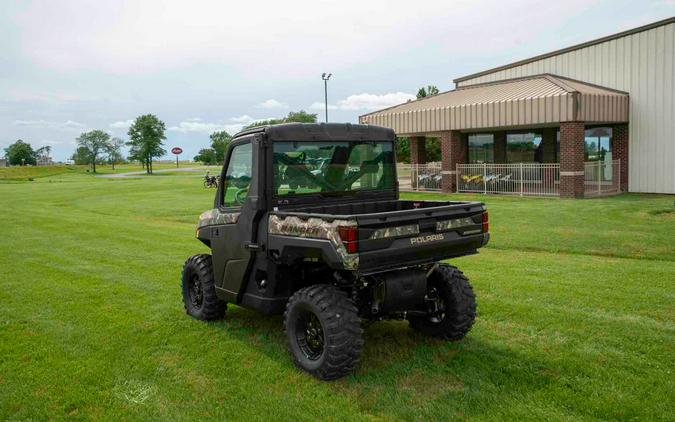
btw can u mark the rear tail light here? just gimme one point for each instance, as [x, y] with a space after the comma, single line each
[348, 234]
[486, 224]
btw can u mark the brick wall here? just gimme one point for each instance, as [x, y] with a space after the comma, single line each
[620, 152]
[418, 150]
[572, 159]
[453, 152]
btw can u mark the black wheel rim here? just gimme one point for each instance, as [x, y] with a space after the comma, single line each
[309, 334]
[436, 311]
[195, 291]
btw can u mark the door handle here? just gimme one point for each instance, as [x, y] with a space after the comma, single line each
[251, 246]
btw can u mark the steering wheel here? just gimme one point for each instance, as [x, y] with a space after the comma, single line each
[240, 195]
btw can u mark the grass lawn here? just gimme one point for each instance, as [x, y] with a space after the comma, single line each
[576, 320]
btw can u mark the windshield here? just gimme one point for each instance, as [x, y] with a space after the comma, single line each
[332, 167]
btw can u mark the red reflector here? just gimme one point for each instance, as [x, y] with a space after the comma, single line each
[348, 235]
[486, 224]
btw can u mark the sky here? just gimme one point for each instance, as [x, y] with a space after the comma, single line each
[71, 66]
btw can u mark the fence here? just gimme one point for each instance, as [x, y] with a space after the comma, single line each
[524, 179]
[419, 177]
[602, 177]
[532, 179]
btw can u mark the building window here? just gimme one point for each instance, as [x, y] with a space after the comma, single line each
[524, 148]
[598, 145]
[481, 148]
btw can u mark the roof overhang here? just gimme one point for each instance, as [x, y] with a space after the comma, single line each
[536, 101]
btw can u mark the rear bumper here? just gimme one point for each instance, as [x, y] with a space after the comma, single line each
[407, 252]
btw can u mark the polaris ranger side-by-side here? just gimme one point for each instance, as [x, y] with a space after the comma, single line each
[307, 222]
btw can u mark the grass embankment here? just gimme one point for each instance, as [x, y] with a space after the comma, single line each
[576, 317]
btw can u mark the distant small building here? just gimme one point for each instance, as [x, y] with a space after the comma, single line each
[45, 161]
[4, 162]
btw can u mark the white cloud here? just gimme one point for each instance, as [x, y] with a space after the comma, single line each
[272, 103]
[121, 124]
[68, 125]
[322, 106]
[197, 125]
[245, 119]
[366, 101]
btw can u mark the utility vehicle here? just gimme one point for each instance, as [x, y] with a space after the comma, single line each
[307, 223]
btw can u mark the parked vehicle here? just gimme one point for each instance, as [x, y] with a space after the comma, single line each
[336, 252]
[210, 181]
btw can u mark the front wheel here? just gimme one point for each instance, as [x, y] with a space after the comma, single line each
[324, 331]
[199, 289]
[451, 305]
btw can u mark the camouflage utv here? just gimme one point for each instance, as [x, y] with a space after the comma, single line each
[307, 222]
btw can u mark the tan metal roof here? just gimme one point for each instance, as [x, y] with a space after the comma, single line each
[536, 100]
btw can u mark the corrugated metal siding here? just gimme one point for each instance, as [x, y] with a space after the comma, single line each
[641, 64]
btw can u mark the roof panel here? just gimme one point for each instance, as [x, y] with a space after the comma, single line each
[521, 101]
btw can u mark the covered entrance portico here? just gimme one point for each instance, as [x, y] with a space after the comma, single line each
[520, 136]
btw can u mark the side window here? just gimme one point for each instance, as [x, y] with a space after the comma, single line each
[238, 176]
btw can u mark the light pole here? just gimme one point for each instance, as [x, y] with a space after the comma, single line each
[325, 78]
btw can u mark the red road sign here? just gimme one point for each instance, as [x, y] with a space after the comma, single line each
[177, 150]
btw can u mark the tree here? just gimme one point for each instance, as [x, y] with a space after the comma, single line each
[81, 156]
[95, 142]
[20, 153]
[146, 135]
[219, 142]
[294, 116]
[42, 153]
[429, 91]
[115, 151]
[206, 156]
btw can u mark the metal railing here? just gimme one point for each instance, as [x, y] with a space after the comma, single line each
[419, 177]
[602, 177]
[531, 179]
[524, 179]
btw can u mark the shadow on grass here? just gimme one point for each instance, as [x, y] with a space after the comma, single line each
[403, 373]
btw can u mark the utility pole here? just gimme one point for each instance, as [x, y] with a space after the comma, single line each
[325, 78]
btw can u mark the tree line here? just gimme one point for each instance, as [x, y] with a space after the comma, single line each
[21, 153]
[146, 137]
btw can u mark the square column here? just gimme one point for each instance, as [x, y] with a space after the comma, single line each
[620, 152]
[500, 147]
[572, 159]
[453, 152]
[418, 150]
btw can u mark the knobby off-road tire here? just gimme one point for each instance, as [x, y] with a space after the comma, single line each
[324, 331]
[454, 291]
[199, 289]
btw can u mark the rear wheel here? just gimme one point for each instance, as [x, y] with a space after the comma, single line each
[324, 331]
[451, 305]
[199, 289]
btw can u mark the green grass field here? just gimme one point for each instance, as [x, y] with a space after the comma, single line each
[576, 321]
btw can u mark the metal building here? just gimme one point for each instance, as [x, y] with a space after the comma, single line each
[580, 93]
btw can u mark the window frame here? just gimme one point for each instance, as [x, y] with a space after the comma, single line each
[220, 198]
